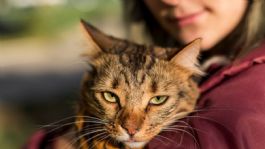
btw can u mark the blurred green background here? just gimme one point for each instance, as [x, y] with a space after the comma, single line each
[40, 66]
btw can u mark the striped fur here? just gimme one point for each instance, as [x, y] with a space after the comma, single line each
[134, 73]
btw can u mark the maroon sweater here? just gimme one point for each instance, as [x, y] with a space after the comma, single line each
[231, 111]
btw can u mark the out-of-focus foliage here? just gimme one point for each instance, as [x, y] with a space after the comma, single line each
[37, 17]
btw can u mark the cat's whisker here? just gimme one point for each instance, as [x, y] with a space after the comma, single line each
[100, 139]
[161, 140]
[83, 135]
[186, 125]
[182, 122]
[73, 132]
[176, 118]
[170, 140]
[190, 134]
[94, 125]
[206, 118]
[178, 121]
[73, 116]
[166, 138]
[67, 118]
[166, 129]
[181, 138]
[90, 117]
[91, 121]
[198, 130]
[68, 124]
[90, 139]
[53, 123]
[71, 123]
[91, 128]
[213, 109]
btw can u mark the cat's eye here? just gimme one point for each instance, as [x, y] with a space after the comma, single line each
[158, 100]
[110, 97]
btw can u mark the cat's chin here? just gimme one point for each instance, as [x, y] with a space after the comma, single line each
[133, 144]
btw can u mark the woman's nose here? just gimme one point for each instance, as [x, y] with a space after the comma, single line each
[170, 2]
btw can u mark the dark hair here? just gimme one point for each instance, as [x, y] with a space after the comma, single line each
[249, 32]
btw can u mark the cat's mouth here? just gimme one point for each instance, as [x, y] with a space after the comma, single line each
[134, 144]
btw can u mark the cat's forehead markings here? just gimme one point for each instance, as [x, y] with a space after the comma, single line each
[136, 61]
[142, 78]
[153, 86]
[123, 59]
[115, 83]
[125, 77]
[149, 62]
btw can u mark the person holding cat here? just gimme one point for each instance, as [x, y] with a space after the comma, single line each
[231, 109]
[133, 93]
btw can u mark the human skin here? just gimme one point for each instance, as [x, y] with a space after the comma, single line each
[185, 20]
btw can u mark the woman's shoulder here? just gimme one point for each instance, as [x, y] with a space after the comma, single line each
[240, 85]
[249, 71]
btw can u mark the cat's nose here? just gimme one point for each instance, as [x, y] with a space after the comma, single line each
[131, 129]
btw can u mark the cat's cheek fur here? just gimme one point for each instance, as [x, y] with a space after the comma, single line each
[145, 136]
[122, 135]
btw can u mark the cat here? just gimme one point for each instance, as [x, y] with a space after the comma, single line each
[132, 92]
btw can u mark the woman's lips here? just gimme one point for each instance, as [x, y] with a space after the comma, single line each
[185, 19]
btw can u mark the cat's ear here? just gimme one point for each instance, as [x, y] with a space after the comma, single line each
[97, 40]
[93, 48]
[188, 57]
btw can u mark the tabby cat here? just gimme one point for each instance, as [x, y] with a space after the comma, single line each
[131, 92]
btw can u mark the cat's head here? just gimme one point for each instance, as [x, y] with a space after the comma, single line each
[137, 90]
